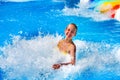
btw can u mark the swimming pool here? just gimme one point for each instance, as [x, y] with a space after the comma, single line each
[29, 30]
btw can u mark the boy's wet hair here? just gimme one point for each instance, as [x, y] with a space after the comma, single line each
[74, 25]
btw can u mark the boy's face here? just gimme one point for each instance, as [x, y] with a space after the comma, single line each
[70, 31]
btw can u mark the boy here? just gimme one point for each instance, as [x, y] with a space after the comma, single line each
[67, 46]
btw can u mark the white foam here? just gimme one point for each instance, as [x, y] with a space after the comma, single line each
[84, 3]
[118, 55]
[116, 52]
[33, 59]
[83, 10]
[27, 57]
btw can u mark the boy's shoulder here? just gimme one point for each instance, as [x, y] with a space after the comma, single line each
[61, 40]
[73, 45]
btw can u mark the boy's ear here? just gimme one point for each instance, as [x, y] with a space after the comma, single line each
[75, 34]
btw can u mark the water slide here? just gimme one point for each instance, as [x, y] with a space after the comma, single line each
[110, 7]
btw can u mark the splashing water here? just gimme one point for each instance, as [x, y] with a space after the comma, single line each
[33, 59]
[28, 55]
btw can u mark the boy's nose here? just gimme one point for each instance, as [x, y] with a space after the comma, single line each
[69, 32]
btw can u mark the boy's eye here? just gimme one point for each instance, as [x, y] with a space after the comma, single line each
[68, 29]
[72, 31]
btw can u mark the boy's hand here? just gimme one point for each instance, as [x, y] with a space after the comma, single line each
[56, 66]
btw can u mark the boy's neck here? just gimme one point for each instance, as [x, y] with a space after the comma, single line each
[68, 40]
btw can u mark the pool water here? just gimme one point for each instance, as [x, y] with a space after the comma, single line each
[30, 30]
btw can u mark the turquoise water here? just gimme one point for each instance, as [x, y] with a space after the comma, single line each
[30, 30]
